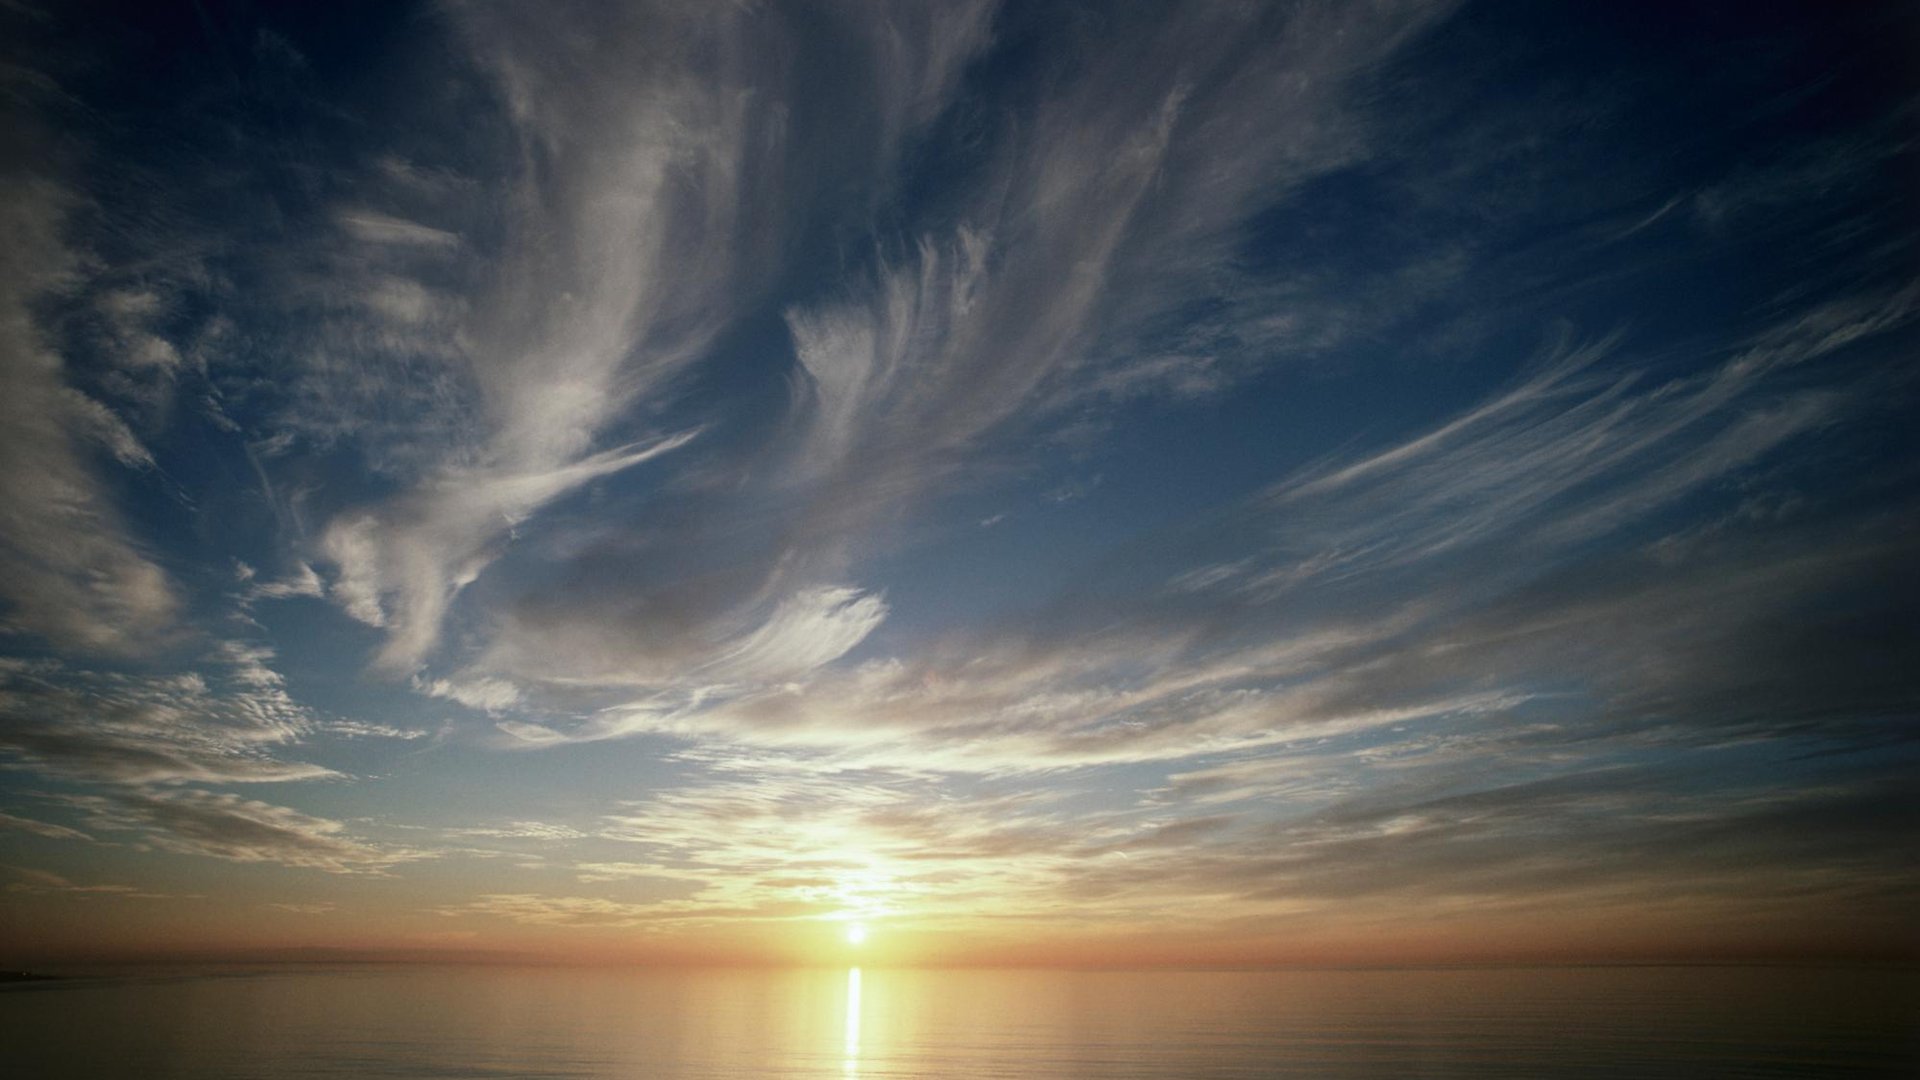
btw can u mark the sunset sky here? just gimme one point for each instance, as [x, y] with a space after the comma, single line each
[1046, 482]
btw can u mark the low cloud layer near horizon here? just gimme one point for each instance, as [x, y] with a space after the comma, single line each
[1305, 480]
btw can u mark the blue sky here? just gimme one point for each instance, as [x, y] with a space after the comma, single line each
[1176, 481]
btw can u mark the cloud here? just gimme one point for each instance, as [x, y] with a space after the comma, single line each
[765, 846]
[1070, 234]
[305, 909]
[522, 830]
[650, 164]
[1382, 594]
[400, 566]
[781, 840]
[1607, 839]
[661, 373]
[41, 828]
[356, 729]
[134, 729]
[909, 63]
[810, 629]
[186, 821]
[766, 643]
[303, 582]
[47, 883]
[372, 227]
[1576, 450]
[800, 635]
[594, 873]
[490, 695]
[571, 911]
[70, 573]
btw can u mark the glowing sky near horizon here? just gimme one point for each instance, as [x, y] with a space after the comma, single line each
[1041, 481]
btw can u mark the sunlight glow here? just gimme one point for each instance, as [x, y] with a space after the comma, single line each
[851, 1061]
[856, 933]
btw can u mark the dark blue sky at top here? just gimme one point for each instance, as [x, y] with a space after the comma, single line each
[1278, 419]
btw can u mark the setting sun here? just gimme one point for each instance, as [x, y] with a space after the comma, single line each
[856, 933]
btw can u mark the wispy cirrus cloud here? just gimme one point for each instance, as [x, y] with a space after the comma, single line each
[47, 883]
[401, 566]
[1074, 232]
[1608, 841]
[1303, 728]
[185, 821]
[1309, 632]
[71, 574]
[521, 830]
[131, 729]
[637, 227]
[45, 829]
[1575, 450]
[755, 846]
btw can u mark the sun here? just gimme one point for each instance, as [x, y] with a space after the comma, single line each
[856, 933]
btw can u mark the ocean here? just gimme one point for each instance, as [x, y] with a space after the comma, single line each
[421, 1021]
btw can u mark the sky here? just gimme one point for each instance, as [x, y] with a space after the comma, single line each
[1043, 482]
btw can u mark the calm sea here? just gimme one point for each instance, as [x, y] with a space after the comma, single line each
[548, 1022]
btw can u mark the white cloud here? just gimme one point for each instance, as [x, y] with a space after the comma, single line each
[67, 569]
[491, 695]
[133, 729]
[356, 729]
[47, 883]
[190, 822]
[809, 629]
[522, 830]
[41, 828]
[373, 227]
[1076, 229]
[401, 565]
[303, 582]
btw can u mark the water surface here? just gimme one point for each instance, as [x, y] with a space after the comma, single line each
[557, 1022]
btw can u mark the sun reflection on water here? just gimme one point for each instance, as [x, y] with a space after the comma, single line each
[852, 1054]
